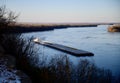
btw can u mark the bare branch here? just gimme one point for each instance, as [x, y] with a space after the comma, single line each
[7, 17]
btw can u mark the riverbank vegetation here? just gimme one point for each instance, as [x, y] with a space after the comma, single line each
[58, 70]
[114, 28]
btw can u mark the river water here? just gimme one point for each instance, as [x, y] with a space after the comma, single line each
[105, 45]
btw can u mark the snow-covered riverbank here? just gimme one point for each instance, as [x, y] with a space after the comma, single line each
[8, 71]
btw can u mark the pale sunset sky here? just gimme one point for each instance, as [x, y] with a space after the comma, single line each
[65, 11]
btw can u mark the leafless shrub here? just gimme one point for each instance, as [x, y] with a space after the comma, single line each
[6, 17]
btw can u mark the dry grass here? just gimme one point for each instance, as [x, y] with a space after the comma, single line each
[58, 70]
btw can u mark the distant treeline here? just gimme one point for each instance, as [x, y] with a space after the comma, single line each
[30, 28]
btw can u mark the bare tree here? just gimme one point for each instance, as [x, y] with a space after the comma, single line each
[6, 17]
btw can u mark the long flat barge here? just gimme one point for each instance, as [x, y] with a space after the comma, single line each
[70, 50]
